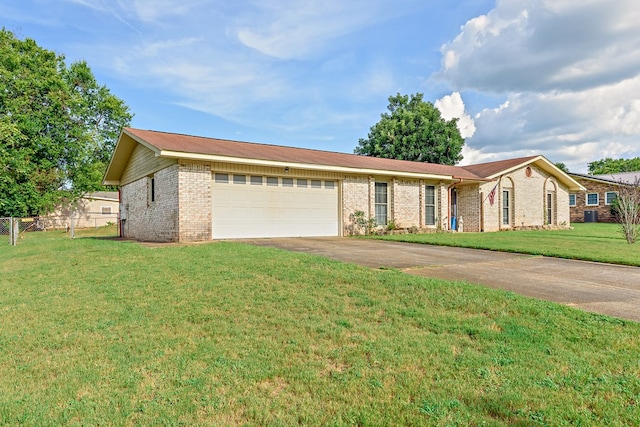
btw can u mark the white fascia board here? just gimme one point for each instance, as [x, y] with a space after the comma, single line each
[308, 166]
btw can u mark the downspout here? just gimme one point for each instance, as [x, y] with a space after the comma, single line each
[449, 188]
[120, 231]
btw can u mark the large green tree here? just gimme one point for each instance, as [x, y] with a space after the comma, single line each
[58, 127]
[413, 130]
[609, 165]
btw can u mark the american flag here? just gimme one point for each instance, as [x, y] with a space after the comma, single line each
[492, 196]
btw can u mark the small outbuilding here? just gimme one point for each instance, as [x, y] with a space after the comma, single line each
[183, 188]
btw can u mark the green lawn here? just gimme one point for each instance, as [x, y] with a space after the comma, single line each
[101, 332]
[592, 242]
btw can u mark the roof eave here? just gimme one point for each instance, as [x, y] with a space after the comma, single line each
[545, 164]
[121, 154]
[297, 165]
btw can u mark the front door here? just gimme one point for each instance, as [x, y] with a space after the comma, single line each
[454, 208]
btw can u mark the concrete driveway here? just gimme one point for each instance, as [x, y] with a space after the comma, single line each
[600, 288]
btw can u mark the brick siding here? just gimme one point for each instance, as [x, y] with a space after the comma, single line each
[195, 203]
[406, 203]
[182, 209]
[528, 201]
[152, 221]
[603, 210]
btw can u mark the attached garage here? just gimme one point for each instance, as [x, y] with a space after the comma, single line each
[246, 206]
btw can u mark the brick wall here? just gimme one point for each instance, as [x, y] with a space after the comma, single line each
[406, 199]
[195, 204]
[147, 220]
[406, 203]
[528, 202]
[355, 197]
[468, 207]
[603, 210]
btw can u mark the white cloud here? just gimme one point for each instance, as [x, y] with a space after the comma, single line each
[569, 70]
[452, 106]
[294, 29]
[545, 45]
[575, 128]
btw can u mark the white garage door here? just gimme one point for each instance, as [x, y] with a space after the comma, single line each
[266, 206]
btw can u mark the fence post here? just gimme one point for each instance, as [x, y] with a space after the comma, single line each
[11, 231]
[14, 231]
[72, 229]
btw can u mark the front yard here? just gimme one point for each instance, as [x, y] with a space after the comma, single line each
[591, 242]
[101, 332]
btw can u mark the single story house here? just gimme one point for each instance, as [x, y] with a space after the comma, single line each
[595, 203]
[92, 210]
[186, 188]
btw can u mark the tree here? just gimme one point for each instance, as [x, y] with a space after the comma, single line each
[58, 127]
[413, 130]
[562, 167]
[609, 165]
[626, 207]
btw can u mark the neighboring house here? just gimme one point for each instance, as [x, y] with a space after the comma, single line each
[186, 188]
[93, 210]
[595, 203]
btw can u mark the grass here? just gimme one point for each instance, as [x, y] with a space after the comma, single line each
[101, 332]
[592, 242]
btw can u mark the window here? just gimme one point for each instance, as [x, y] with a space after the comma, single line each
[593, 199]
[105, 210]
[550, 208]
[256, 180]
[506, 211]
[316, 183]
[609, 197]
[221, 178]
[151, 190]
[381, 202]
[287, 182]
[572, 199]
[239, 179]
[329, 185]
[272, 181]
[430, 205]
[302, 183]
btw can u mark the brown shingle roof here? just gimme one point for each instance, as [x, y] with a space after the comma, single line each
[487, 170]
[178, 143]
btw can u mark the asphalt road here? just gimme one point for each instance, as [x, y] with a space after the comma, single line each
[600, 288]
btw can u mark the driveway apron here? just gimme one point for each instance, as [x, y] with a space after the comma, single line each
[608, 289]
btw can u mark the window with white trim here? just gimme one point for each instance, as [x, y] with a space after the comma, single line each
[316, 183]
[302, 183]
[381, 203]
[287, 182]
[549, 218]
[506, 209]
[593, 199]
[609, 197]
[272, 181]
[329, 185]
[239, 179]
[430, 205]
[256, 180]
[572, 199]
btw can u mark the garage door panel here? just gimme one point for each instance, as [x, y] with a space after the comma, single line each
[241, 211]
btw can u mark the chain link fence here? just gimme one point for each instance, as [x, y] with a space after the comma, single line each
[13, 227]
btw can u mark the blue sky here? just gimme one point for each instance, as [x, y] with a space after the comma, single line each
[559, 78]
